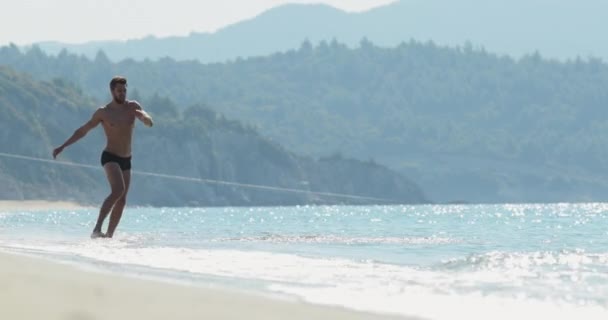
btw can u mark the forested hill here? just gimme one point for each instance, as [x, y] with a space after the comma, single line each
[194, 142]
[467, 124]
[560, 29]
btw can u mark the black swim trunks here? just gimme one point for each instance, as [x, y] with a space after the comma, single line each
[124, 163]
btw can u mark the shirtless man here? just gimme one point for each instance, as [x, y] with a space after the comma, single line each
[118, 121]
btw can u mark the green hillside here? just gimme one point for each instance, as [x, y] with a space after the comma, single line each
[194, 142]
[466, 124]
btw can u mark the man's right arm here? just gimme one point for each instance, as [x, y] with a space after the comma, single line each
[80, 132]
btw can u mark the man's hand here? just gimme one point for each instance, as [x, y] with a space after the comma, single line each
[57, 151]
[144, 117]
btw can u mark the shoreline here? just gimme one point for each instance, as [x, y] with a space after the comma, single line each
[61, 291]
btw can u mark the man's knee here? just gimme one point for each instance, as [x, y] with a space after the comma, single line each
[122, 200]
[117, 193]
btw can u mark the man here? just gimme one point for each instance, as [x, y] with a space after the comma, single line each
[118, 121]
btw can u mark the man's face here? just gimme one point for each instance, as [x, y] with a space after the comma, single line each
[120, 93]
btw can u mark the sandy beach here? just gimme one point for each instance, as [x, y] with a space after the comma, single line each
[36, 205]
[33, 288]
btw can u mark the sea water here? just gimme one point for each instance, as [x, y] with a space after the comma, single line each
[432, 261]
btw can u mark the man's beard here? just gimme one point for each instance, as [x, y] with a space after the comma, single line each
[119, 100]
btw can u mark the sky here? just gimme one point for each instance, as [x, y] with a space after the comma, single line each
[75, 21]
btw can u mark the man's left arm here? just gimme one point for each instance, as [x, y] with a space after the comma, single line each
[142, 115]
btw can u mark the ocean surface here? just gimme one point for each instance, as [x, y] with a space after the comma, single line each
[538, 261]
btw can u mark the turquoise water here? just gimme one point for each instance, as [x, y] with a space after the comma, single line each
[473, 261]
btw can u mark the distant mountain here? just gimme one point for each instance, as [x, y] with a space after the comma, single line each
[195, 143]
[465, 124]
[558, 29]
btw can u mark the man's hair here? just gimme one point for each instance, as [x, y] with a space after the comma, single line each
[117, 80]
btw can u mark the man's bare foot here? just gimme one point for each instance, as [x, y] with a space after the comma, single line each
[97, 234]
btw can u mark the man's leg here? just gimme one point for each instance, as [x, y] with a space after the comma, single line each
[117, 185]
[119, 206]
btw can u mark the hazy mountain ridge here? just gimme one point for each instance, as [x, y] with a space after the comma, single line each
[564, 29]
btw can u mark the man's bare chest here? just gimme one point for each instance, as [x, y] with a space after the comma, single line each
[118, 119]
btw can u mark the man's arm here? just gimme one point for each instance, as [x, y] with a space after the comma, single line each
[142, 115]
[80, 132]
